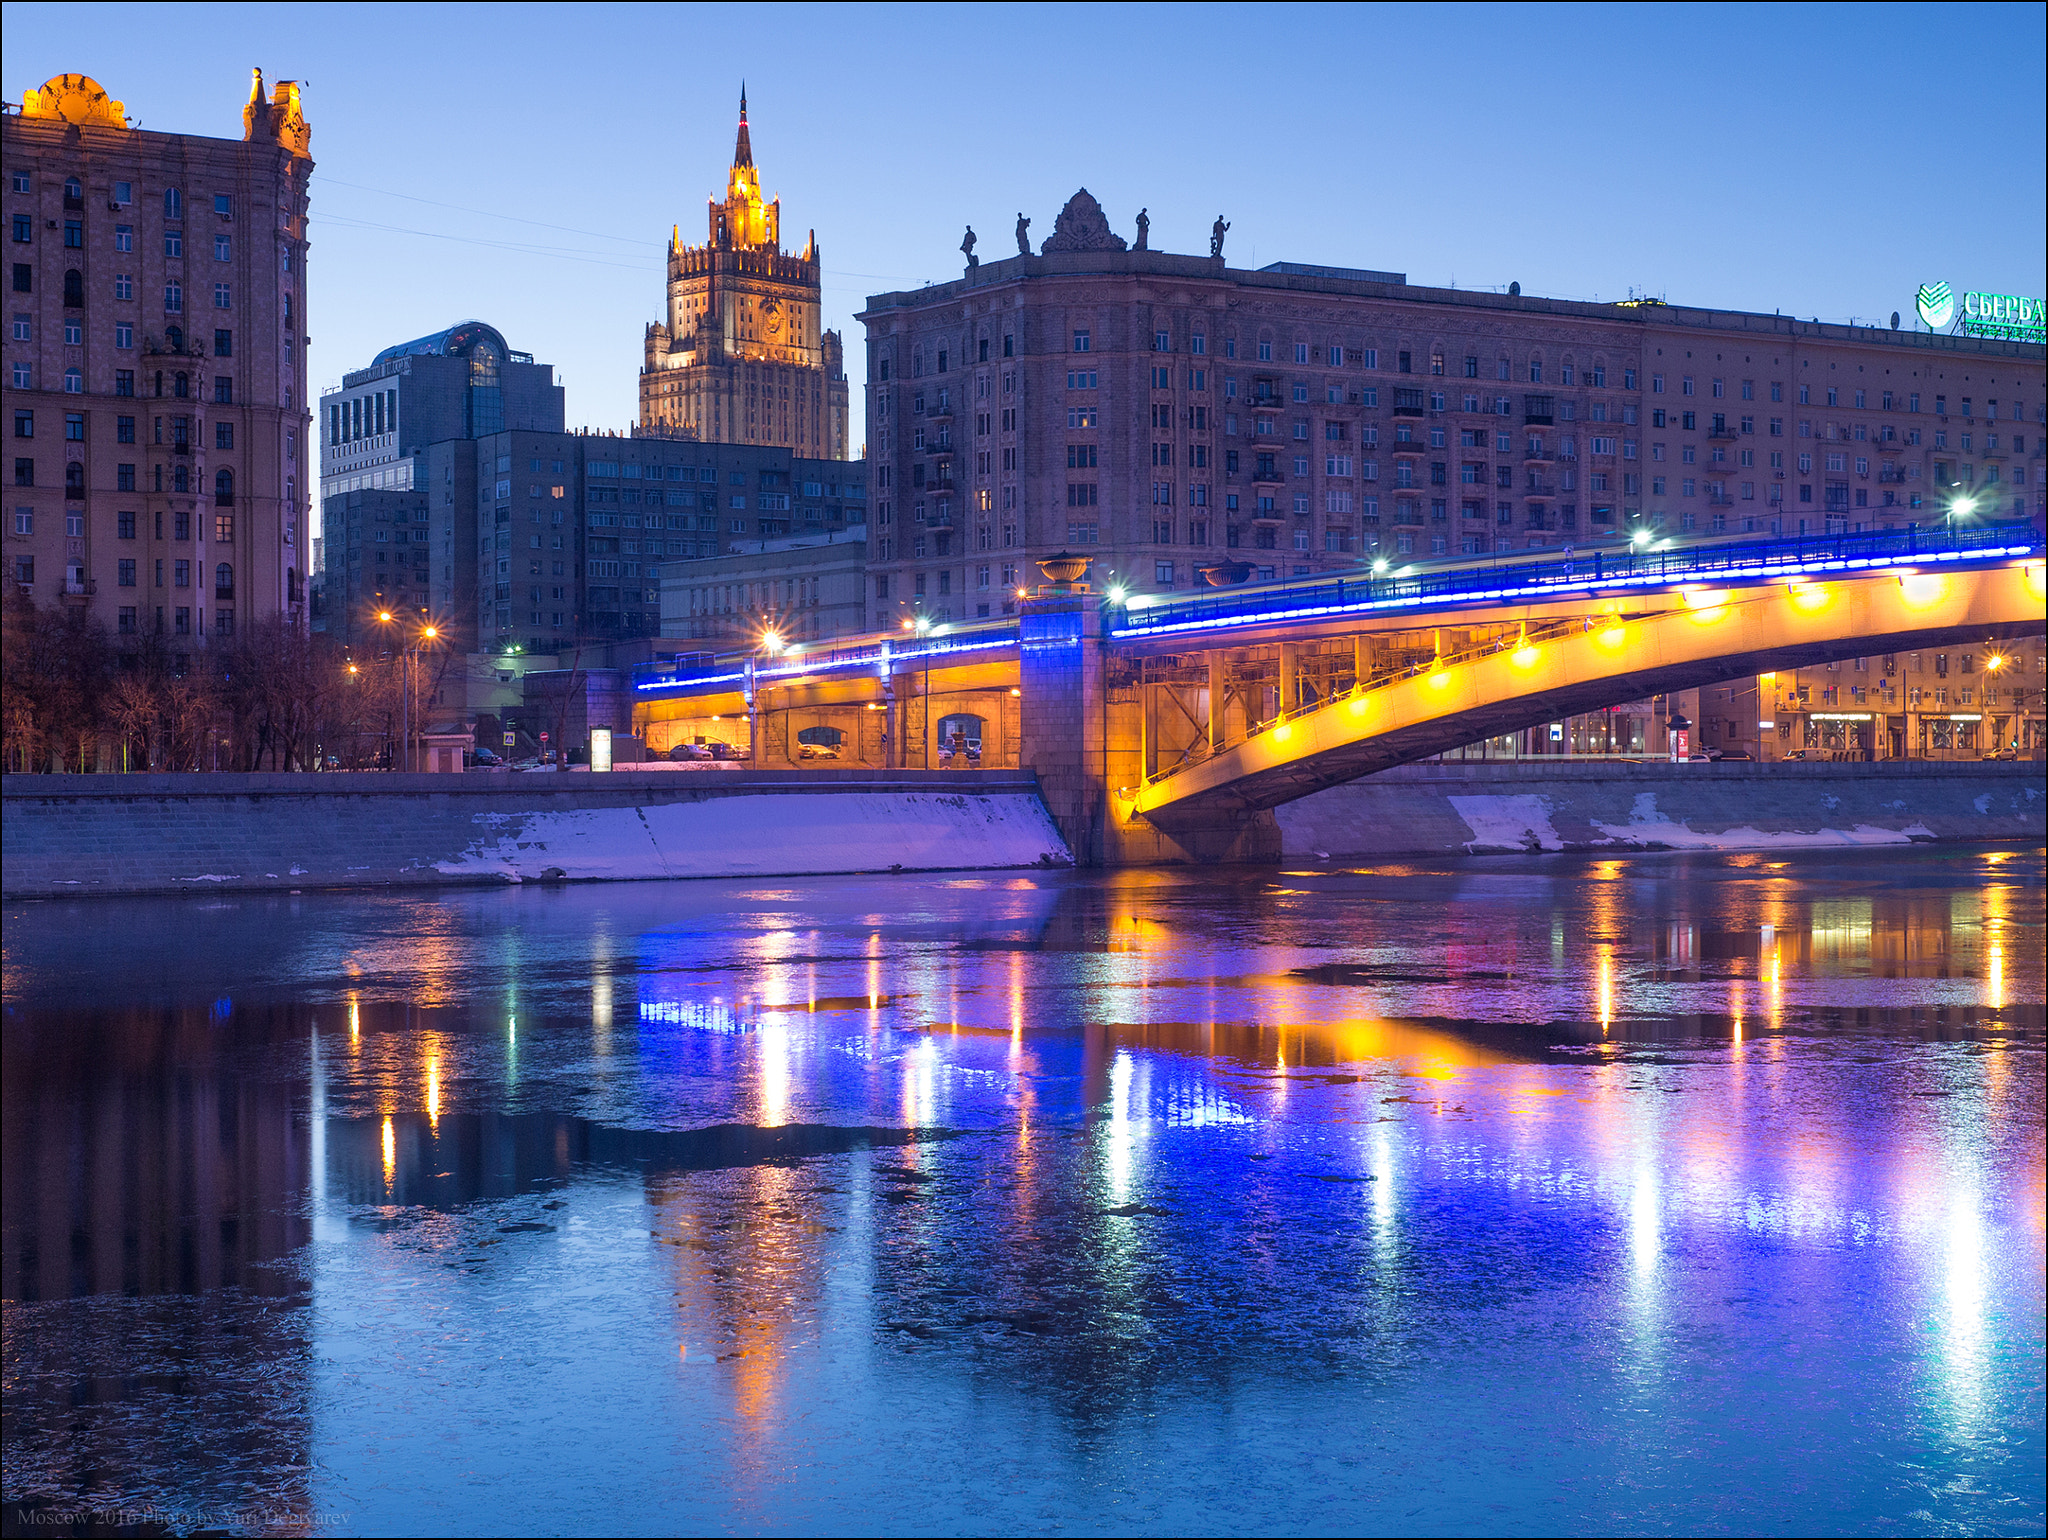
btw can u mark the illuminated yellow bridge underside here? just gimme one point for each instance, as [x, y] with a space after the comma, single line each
[1701, 638]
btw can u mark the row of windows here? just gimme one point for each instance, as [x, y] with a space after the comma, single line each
[1596, 377]
[24, 228]
[24, 282]
[124, 431]
[180, 480]
[124, 526]
[123, 194]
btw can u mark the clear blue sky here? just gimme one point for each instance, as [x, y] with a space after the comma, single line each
[1819, 159]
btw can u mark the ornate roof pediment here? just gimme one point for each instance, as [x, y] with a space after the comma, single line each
[1082, 226]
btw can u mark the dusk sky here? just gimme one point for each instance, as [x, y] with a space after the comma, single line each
[524, 164]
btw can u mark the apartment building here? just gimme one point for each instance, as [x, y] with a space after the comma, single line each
[1172, 417]
[155, 363]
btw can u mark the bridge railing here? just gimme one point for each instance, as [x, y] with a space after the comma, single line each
[1535, 581]
[895, 653]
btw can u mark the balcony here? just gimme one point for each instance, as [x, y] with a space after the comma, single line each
[79, 589]
[1539, 410]
[1537, 457]
[1409, 403]
[1269, 475]
[1722, 433]
[940, 410]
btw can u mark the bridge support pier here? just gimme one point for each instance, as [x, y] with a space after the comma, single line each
[1087, 741]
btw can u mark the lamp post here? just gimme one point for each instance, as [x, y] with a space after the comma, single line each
[408, 649]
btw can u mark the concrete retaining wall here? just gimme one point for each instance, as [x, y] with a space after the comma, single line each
[1459, 808]
[71, 835]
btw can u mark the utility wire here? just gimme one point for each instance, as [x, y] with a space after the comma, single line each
[524, 248]
[601, 235]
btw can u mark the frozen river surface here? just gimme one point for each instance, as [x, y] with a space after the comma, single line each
[1529, 1196]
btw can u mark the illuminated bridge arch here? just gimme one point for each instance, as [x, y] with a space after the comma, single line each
[1567, 666]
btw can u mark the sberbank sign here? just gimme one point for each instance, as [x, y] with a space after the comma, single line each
[2013, 317]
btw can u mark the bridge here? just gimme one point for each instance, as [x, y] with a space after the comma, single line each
[1164, 727]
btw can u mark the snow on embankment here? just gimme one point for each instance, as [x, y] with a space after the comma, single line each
[1475, 808]
[78, 835]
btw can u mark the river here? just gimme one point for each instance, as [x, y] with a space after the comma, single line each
[1531, 1195]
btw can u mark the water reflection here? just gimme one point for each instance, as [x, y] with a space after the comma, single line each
[1219, 1177]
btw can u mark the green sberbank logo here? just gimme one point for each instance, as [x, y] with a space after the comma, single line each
[1980, 313]
[1937, 305]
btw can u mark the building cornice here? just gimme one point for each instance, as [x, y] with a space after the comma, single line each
[1137, 267]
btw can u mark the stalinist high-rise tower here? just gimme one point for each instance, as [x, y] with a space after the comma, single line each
[744, 358]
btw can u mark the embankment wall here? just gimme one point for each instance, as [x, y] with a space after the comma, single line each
[1457, 807]
[72, 835]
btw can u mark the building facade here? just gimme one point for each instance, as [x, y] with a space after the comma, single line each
[398, 484]
[155, 363]
[1957, 703]
[572, 528]
[1166, 414]
[744, 356]
[797, 590]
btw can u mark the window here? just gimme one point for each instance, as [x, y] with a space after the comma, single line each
[222, 298]
[24, 278]
[1080, 340]
[223, 344]
[223, 435]
[174, 298]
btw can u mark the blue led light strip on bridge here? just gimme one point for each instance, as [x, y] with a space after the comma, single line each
[1771, 560]
[897, 657]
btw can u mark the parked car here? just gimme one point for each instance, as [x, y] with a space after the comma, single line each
[1738, 754]
[724, 751]
[817, 751]
[1797, 754]
[683, 751]
[486, 758]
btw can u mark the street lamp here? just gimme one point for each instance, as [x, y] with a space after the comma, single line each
[408, 649]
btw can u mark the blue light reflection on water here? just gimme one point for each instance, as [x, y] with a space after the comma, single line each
[1660, 1194]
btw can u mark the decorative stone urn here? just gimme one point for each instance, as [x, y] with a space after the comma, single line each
[1064, 569]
